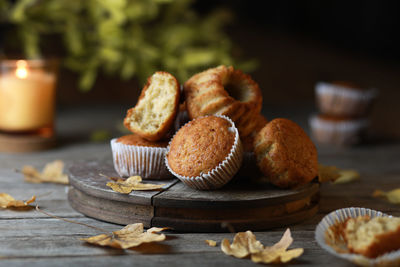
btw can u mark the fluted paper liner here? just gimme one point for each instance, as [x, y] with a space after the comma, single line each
[338, 216]
[222, 173]
[342, 132]
[342, 126]
[148, 162]
[337, 100]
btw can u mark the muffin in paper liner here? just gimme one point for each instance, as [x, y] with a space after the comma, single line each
[339, 99]
[325, 240]
[222, 173]
[339, 132]
[147, 162]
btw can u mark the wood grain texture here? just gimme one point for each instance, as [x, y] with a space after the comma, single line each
[241, 205]
[33, 239]
[89, 177]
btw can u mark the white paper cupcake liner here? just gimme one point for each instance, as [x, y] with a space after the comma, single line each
[337, 132]
[338, 216]
[147, 162]
[222, 173]
[338, 100]
[329, 88]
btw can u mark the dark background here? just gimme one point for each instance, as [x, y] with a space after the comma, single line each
[296, 44]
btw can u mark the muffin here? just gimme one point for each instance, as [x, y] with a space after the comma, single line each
[343, 99]
[338, 131]
[285, 154]
[372, 237]
[156, 109]
[134, 155]
[224, 91]
[205, 153]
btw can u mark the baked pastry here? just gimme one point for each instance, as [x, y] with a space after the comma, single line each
[134, 155]
[336, 130]
[372, 237]
[224, 91]
[343, 99]
[248, 141]
[285, 154]
[156, 109]
[206, 152]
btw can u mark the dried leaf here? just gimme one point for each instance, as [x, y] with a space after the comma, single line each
[51, 173]
[8, 202]
[245, 243]
[392, 196]
[327, 173]
[130, 184]
[278, 253]
[130, 236]
[336, 175]
[211, 243]
[347, 176]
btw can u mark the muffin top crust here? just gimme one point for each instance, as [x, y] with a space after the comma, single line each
[136, 140]
[201, 145]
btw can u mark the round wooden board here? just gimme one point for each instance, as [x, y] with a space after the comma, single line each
[238, 206]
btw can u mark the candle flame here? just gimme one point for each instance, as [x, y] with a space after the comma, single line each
[21, 71]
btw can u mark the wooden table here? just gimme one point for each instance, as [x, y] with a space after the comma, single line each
[31, 238]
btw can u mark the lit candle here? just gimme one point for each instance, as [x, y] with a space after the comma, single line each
[26, 98]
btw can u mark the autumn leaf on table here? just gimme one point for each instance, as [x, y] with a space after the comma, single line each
[336, 175]
[130, 236]
[8, 202]
[392, 196]
[327, 173]
[245, 244]
[211, 243]
[130, 184]
[51, 173]
[278, 253]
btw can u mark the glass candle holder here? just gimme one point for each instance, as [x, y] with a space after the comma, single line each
[27, 96]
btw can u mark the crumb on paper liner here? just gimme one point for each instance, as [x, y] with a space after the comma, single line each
[326, 235]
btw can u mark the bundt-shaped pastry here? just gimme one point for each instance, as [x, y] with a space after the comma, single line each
[248, 141]
[224, 91]
[156, 109]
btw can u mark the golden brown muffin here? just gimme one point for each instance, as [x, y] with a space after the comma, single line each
[156, 109]
[224, 91]
[199, 146]
[134, 155]
[285, 154]
[372, 237]
[136, 140]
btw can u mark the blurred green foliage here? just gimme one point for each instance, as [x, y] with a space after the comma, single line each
[124, 37]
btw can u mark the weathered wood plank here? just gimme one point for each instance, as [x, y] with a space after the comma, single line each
[314, 257]
[234, 195]
[88, 177]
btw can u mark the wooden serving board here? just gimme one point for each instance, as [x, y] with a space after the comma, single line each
[238, 206]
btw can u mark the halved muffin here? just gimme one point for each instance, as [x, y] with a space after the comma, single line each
[156, 109]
